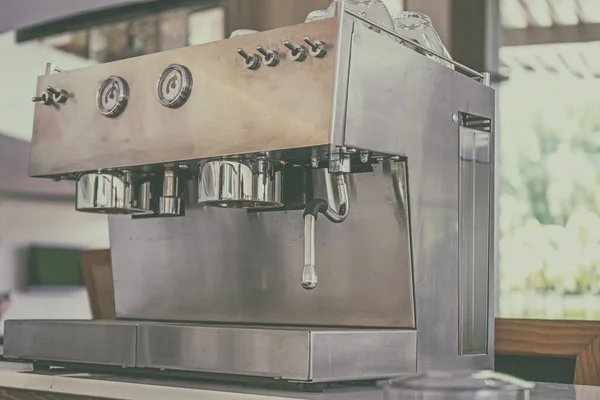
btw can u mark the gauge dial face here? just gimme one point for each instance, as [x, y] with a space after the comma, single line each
[112, 96]
[174, 86]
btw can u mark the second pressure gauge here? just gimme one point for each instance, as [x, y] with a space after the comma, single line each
[112, 96]
[174, 86]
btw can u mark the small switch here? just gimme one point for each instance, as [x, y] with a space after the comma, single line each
[252, 61]
[297, 53]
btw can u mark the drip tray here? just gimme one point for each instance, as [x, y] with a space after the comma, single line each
[300, 354]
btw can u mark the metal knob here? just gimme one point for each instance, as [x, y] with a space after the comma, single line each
[51, 68]
[252, 61]
[270, 57]
[297, 53]
[317, 48]
[58, 95]
[309, 274]
[44, 98]
[314, 162]
[364, 156]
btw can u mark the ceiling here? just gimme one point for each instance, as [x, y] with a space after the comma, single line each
[17, 14]
[551, 36]
[522, 14]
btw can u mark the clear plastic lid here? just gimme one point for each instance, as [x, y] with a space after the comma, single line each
[374, 10]
[242, 32]
[418, 27]
[316, 15]
[487, 385]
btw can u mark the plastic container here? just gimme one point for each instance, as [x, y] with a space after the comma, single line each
[482, 385]
[374, 10]
[418, 27]
[242, 32]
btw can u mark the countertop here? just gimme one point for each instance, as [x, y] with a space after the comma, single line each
[17, 379]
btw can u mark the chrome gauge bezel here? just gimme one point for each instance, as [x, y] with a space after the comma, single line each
[186, 86]
[123, 96]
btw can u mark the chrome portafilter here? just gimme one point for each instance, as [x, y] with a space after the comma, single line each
[111, 193]
[247, 184]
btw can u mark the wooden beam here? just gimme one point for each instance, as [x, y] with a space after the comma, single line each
[551, 34]
[97, 274]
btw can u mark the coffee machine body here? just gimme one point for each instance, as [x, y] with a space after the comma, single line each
[326, 217]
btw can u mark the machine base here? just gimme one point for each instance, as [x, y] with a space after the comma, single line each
[299, 354]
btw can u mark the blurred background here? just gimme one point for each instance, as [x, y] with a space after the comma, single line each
[549, 129]
[544, 59]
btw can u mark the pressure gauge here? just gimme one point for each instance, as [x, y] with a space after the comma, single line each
[112, 96]
[174, 86]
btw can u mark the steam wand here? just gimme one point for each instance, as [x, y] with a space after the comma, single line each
[311, 211]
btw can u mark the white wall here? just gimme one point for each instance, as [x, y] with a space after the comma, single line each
[20, 66]
[24, 223]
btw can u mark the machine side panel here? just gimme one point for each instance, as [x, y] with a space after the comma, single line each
[280, 353]
[90, 342]
[403, 103]
[226, 265]
[342, 71]
[344, 355]
[231, 110]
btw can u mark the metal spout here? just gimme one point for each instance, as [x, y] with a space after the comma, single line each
[311, 211]
[309, 274]
[339, 215]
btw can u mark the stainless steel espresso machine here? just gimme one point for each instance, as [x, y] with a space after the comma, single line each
[308, 204]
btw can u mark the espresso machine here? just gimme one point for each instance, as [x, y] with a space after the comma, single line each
[309, 204]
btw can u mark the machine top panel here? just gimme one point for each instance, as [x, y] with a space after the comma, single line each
[230, 109]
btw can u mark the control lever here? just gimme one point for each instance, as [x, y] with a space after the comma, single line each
[297, 53]
[311, 211]
[251, 61]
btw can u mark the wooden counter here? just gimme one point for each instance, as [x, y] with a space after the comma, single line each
[579, 340]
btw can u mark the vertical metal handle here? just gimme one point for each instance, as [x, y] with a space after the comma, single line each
[309, 273]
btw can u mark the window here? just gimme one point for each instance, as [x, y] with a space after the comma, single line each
[549, 124]
[139, 36]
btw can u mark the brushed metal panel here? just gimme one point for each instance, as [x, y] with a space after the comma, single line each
[422, 95]
[280, 353]
[342, 71]
[90, 342]
[222, 265]
[231, 110]
[362, 354]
